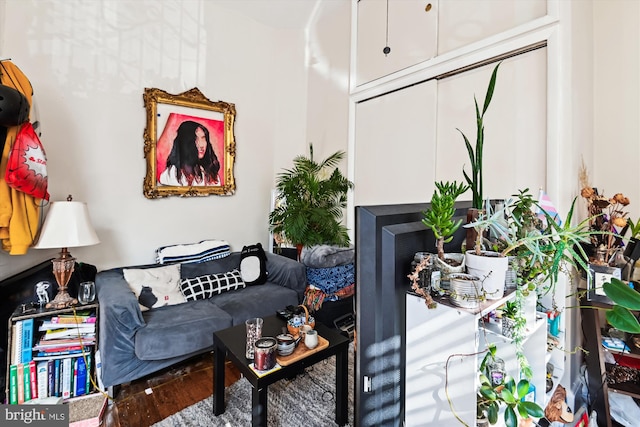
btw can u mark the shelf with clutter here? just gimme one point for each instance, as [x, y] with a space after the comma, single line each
[52, 354]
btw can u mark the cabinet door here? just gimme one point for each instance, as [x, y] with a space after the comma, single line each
[395, 146]
[432, 337]
[411, 34]
[462, 22]
[515, 137]
[408, 139]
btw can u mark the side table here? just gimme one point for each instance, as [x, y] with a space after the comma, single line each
[230, 344]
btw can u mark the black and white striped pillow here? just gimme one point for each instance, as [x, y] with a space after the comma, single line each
[203, 287]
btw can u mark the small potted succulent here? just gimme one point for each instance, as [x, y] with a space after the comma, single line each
[439, 218]
[511, 319]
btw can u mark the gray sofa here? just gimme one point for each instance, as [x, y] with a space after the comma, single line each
[134, 344]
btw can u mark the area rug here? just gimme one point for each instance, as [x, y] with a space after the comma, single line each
[307, 400]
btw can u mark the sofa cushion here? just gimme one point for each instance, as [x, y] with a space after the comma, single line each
[205, 250]
[253, 264]
[203, 287]
[255, 301]
[221, 265]
[179, 329]
[155, 287]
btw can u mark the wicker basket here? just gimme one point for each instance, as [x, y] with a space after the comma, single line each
[308, 320]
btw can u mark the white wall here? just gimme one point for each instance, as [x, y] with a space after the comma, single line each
[616, 100]
[89, 62]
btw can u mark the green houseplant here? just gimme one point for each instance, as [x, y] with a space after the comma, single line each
[439, 216]
[313, 199]
[507, 393]
[475, 152]
[512, 321]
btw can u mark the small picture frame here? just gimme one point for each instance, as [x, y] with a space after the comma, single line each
[597, 276]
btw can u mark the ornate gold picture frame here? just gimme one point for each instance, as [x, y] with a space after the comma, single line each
[189, 145]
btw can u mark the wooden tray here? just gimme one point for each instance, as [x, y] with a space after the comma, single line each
[301, 352]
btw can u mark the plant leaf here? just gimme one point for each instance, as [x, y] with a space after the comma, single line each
[492, 413]
[492, 84]
[621, 294]
[523, 388]
[533, 409]
[510, 418]
[621, 318]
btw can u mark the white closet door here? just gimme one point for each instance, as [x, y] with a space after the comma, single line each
[395, 146]
[515, 147]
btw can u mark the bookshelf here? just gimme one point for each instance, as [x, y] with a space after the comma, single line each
[51, 353]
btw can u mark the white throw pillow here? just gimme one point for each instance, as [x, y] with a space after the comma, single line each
[155, 287]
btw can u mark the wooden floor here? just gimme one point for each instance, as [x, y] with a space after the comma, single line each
[146, 401]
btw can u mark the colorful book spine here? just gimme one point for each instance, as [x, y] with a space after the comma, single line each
[33, 380]
[74, 382]
[81, 384]
[27, 382]
[42, 379]
[13, 385]
[27, 340]
[56, 374]
[88, 369]
[16, 349]
[51, 377]
[20, 369]
[67, 374]
[73, 319]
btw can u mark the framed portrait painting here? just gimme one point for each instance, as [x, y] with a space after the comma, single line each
[189, 145]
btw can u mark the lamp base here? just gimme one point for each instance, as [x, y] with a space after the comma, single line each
[63, 267]
[62, 300]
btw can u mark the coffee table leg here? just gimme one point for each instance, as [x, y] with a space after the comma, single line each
[342, 370]
[259, 407]
[218, 381]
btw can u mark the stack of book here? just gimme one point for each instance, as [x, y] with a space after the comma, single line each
[58, 365]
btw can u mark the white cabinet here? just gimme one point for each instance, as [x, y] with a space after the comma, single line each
[405, 26]
[419, 30]
[444, 347]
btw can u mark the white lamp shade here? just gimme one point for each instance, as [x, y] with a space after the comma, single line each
[67, 225]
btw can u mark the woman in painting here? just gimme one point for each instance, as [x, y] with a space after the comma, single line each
[191, 161]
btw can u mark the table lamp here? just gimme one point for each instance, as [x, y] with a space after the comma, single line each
[67, 225]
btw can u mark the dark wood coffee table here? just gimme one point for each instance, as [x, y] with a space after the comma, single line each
[230, 344]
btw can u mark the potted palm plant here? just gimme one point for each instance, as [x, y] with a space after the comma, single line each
[313, 198]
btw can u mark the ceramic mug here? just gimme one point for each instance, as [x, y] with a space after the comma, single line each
[311, 339]
[304, 329]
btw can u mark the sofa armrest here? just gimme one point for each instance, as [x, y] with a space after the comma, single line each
[117, 300]
[286, 272]
[120, 319]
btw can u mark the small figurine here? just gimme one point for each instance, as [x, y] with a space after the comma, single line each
[41, 292]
